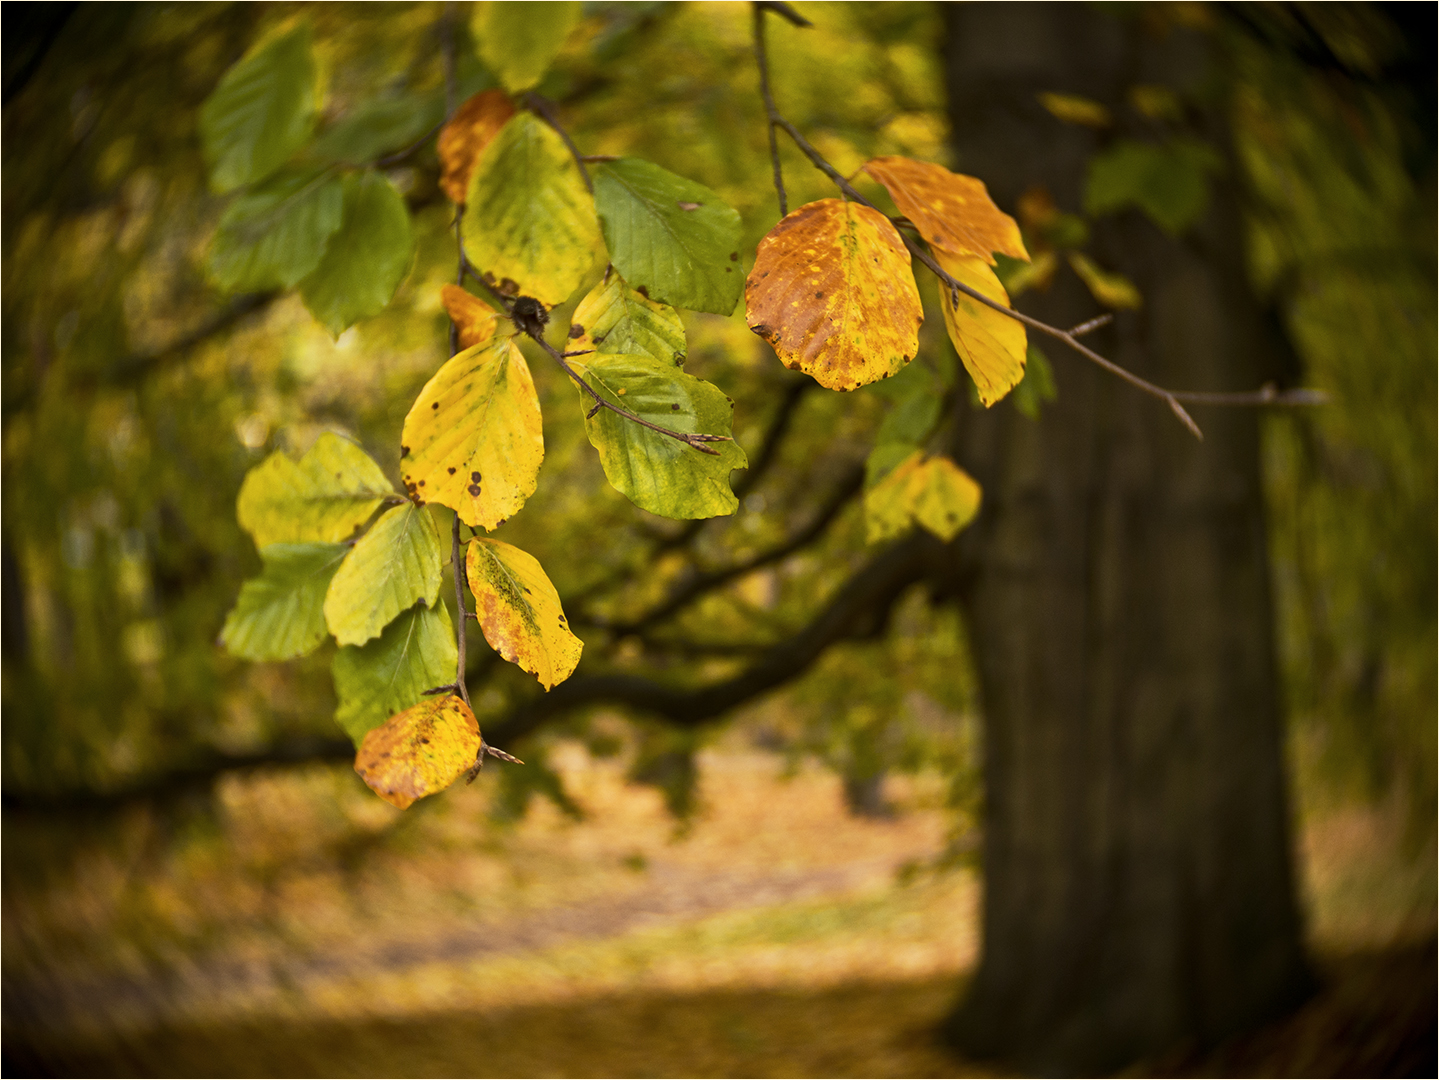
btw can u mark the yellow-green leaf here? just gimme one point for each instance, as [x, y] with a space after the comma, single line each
[518, 41]
[832, 292]
[613, 318]
[420, 751]
[529, 220]
[392, 672]
[991, 345]
[1109, 287]
[327, 497]
[519, 611]
[395, 564]
[952, 211]
[473, 440]
[657, 472]
[280, 614]
[931, 491]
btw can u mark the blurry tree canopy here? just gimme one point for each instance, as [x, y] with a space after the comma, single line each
[1248, 189]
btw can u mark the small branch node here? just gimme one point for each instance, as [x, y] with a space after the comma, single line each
[1090, 325]
[591, 414]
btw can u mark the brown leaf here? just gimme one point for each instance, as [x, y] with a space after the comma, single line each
[474, 318]
[420, 751]
[833, 292]
[952, 211]
[468, 132]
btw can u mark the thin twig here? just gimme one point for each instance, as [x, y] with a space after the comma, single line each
[400, 155]
[545, 109]
[770, 111]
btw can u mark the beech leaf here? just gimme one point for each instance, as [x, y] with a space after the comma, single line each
[328, 496]
[390, 673]
[420, 751]
[394, 565]
[275, 235]
[261, 112]
[475, 320]
[529, 220]
[365, 261]
[519, 611]
[931, 491]
[992, 346]
[518, 40]
[671, 238]
[473, 440]
[657, 472]
[280, 614]
[832, 292]
[613, 318]
[952, 211]
[465, 135]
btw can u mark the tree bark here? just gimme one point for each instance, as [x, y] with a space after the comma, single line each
[1138, 885]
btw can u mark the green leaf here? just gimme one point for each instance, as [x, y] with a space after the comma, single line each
[614, 318]
[366, 260]
[519, 41]
[528, 216]
[280, 614]
[328, 496]
[671, 238]
[1037, 386]
[395, 564]
[274, 236]
[377, 128]
[1166, 182]
[375, 681]
[261, 112]
[659, 473]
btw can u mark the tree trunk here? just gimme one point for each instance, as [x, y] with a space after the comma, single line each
[1138, 887]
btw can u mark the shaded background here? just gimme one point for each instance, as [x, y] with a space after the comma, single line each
[194, 879]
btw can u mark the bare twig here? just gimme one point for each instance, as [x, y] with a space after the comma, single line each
[1069, 337]
[545, 110]
[771, 112]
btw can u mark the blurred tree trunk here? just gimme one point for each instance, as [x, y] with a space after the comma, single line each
[1138, 883]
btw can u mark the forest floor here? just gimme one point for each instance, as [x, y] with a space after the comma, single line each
[309, 933]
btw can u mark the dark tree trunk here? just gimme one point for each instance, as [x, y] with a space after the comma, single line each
[1138, 887]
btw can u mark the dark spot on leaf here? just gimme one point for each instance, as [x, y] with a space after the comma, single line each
[424, 740]
[729, 269]
[474, 490]
[338, 476]
[734, 256]
[422, 483]
[674, 406]
[688, 205]
[819, 296]
[599, 339]
[404, 451]
[452, 470]
[576, 331]
[434, 404]
[475, 477]
[643, 291]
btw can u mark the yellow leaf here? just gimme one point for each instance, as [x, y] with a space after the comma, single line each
[473, 440]
[613, 318]
[1111, 289]
[529, 221]
[1073, 109]
[420, 751]
[466, 134]
[519, 611]
[832, 292]
[931, 491]
[992, 346]
[325, 498]
[952, 211]
[475, 319]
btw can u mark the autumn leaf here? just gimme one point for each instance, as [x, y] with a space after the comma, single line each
[473, 439]
[475, 320]
[952, 211]
[832, 292]
[465, 135]
[420, 751]
[392, 672]
[280, 614]
[394, 565]
[1110, 288]
[326, 497]
[614, 318]
[529, 218]
[931, 491]
[518, 41]
[519, 611]
[991, 345]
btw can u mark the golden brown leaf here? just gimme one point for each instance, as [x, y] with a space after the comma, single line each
[468, 132]
[420, 751]
[833, 293]
[519, 611]
[991, 345]
[952, 211]
[475, 319]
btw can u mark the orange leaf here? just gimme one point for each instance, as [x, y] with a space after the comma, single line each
[474, 124]
[474, 318]
[420, 751]
[833, 292]
[952, 211]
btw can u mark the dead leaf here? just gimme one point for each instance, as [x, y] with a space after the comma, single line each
[420, 751]
[952, 211]
[475, 319]
[468, 132]
[833, 293]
